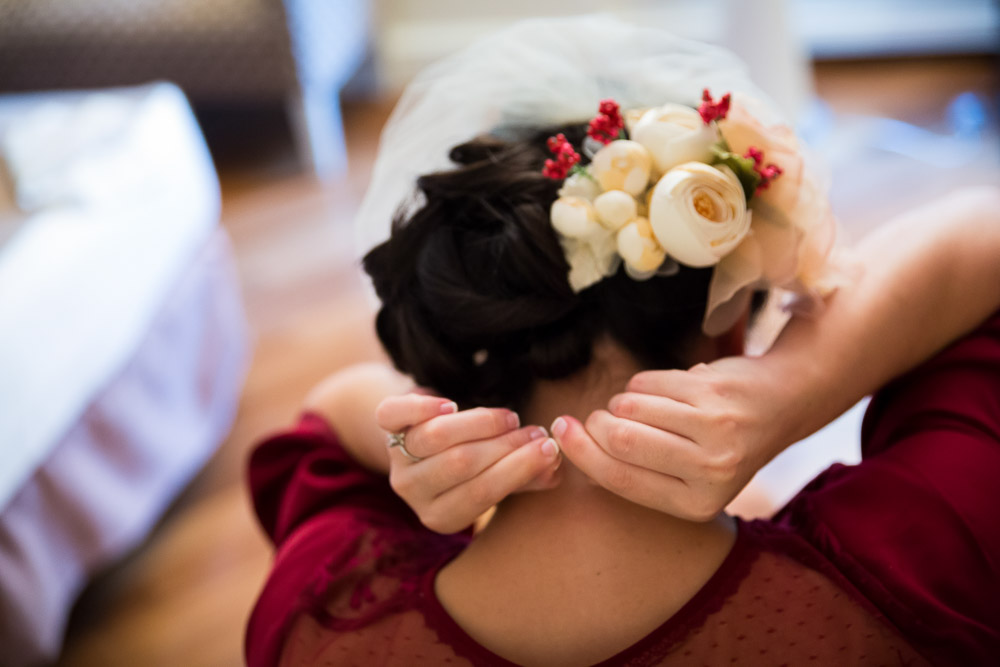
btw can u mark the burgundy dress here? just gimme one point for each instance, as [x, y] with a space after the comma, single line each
[893, 561]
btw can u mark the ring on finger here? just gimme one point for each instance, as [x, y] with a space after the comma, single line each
[399, 440]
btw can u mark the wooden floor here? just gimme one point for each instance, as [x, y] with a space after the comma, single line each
[183, 597]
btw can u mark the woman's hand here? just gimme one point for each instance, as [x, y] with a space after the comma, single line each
[684, 442]
[470, 460]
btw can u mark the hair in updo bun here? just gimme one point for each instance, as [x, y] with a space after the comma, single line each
[473, 281]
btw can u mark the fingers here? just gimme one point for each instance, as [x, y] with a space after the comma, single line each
[427, 479]
[659, 412]
[682, 386]
[397, 413]
[645, 446]
[445, 431]
[458, 507]
[661, 492]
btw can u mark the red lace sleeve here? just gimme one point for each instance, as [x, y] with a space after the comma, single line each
[295, 474]
[335, 525]
[915, 524]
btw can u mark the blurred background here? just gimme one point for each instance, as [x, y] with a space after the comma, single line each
[177, 186]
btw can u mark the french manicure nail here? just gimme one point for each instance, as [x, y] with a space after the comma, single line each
[550, 448]
[449, 408]
[513, 421]
[558, 427]
[537, 432]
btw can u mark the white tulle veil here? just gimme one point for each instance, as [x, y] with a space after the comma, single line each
[536, 73]
[545, 72]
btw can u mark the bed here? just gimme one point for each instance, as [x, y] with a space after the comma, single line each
[123, 344]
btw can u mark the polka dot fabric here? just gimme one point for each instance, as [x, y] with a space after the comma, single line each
[780, 613]
[895, 561]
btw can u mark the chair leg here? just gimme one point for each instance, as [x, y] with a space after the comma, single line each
[318, 131]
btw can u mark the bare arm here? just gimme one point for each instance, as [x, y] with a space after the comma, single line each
[930, 276]
[347, 400]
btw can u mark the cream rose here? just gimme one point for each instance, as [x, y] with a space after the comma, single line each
[674, 134]
[698, 213]
[574, 217]
[622, 165]
[615, 208]
[579, 185]
[638, 247]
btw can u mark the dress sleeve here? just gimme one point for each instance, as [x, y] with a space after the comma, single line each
[295, 474]
[337, 527]
[915, 524]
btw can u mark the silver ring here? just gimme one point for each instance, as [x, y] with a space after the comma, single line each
[399, 440]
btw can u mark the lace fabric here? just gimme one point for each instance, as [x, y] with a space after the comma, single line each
[893, 561]
[762, 607]
[354, 585]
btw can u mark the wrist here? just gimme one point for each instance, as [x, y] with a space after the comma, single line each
[797, 390]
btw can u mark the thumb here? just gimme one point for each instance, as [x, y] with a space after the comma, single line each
[575, 443]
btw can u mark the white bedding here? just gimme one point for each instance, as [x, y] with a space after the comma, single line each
[123, 343]
[141, 438]
[82, 277]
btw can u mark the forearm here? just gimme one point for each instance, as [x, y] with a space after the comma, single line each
[929, 277]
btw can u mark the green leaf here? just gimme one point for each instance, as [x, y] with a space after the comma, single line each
[580, 169]
[743, 167]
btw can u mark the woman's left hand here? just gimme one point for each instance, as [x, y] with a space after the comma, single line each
[469, 460]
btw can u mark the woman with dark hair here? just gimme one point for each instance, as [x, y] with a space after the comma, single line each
[514, 281]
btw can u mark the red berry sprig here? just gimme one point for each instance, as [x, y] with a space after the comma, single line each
[607, 124]
[566, 157]
[767, 173]
[710, 110]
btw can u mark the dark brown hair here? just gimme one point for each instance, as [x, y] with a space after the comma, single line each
[473, 283]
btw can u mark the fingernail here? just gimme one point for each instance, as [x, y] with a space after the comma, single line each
[613, 403]
[513, 421]
[550, 449]
[449, 408]
[537, 432]
[558, 427]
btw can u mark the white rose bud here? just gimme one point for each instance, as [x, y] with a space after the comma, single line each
[574, 217]
[622, 165]
[615, 208]
[699, 213]
[638, 247]
[674, 134]
[578, 185]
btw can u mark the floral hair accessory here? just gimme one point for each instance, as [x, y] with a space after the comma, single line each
[566, 157]
[607, 125]
[705, 186]
[768, 173]
[710, 110]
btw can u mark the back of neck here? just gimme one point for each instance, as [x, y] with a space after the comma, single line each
[575, 574]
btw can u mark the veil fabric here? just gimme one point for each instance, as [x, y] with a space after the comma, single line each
[544, 72]
[538, 72]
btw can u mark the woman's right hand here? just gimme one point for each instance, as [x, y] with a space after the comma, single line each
[469, 460]
[684, 442]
